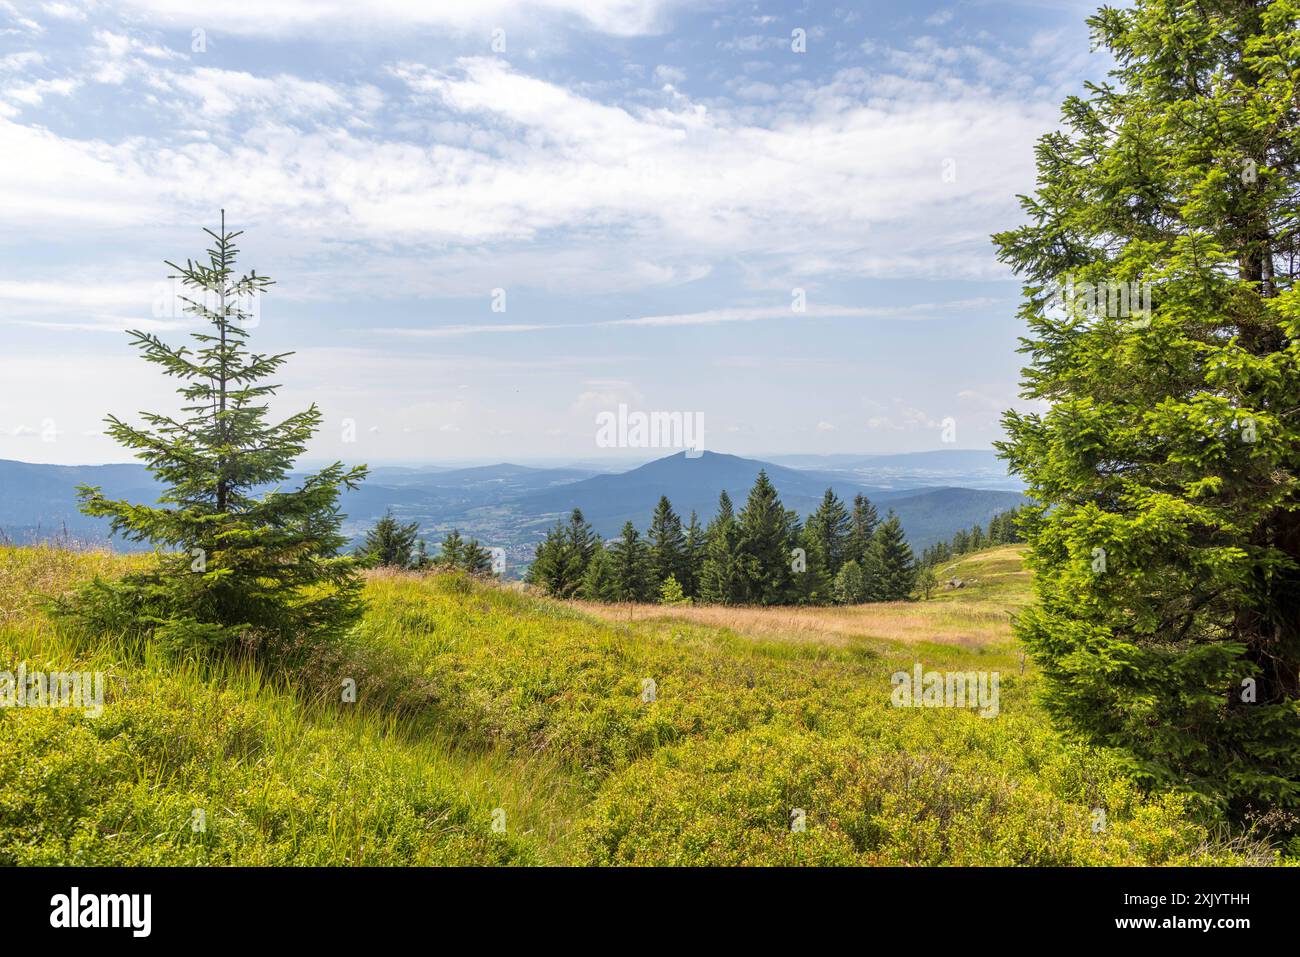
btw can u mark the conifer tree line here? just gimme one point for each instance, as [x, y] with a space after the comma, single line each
[763, 554]
[1003, 529]
[394, 544]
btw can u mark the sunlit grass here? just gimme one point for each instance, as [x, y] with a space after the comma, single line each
[975, 615]
[673, 737]
[279, 778]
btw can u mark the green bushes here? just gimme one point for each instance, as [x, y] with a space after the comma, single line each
[963, 799]
[280, 778]
[178, 773]
[498, 669]
[740, 733]
[652, 742]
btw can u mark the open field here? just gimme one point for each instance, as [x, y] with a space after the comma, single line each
[977, 615]
[494, 727]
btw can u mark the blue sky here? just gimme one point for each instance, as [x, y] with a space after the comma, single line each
[653, 185]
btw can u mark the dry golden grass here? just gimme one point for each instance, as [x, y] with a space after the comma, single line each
[973, 616]
[909, 622]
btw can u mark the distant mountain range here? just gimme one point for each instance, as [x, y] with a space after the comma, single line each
[928, 514]
[511, 506]
[504, 477]
[968, 468]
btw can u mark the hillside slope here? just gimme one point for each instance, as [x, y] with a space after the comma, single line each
[656, 741]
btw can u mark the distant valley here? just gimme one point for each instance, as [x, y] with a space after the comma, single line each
[511, 506]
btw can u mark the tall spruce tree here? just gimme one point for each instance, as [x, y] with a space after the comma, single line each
[994, 534]
[390, 544]
[894, 563]
[451, 553]
[551, 567]
[862, 531]
[830, 528]
[667, 544]
[720, 581]
[764, 547]
[861, 547]
[598, 580]
[1165, 471]
[630, 561]
[476, 559]
[693, 557]
[243, 559]
[812, 583]
[579, 545]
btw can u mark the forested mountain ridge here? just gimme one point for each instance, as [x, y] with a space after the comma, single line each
[509, 505]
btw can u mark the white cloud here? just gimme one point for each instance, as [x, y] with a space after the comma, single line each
[79, 293]
[670, 74]
[21, 61]
[622, 209]
[903, 418]
[466, 329]
[839, 178]
[616, 17]
[27, 24]
[114, 45]
[708, 317]
[813, 311]
[991, 402]
[33, 93]
[604, 395]
[223, 92]
[64, 11]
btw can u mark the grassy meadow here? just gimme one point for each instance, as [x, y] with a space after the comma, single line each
[976, 615]
[493, 727]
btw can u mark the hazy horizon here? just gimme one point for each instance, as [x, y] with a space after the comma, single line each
[624, 461]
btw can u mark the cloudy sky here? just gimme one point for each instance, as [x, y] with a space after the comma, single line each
[490, 220]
